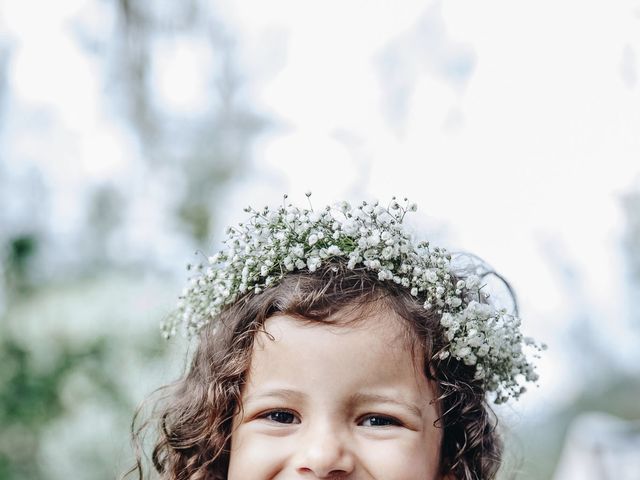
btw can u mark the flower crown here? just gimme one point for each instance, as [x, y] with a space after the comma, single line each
[273, 243]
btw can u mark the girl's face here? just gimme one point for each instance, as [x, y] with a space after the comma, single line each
[335, 401]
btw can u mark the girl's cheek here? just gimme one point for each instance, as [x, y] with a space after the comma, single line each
[256, 456]
[401, 460]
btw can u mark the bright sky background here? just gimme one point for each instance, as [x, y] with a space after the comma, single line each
[513, 124]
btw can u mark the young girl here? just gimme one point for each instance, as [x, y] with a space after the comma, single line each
[333, 346]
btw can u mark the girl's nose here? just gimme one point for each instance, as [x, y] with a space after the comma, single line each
[325, 454]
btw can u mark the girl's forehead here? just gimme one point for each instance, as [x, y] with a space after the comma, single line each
[332, 362]
[353, 325]
[377, 335]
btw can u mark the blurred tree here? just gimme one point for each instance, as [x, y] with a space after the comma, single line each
[204, 150]
[104, 215]
[79, 344]
[21, 250]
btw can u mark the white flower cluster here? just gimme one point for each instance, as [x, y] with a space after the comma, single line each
[274, 242]
[490, 339]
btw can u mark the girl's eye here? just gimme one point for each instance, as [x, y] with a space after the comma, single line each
[380, 421]
[281, 416]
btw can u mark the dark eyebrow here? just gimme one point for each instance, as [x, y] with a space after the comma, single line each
[282, 393]
[381, 398]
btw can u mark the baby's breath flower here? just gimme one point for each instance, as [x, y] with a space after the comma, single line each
[274, 242]
[431, 275]
[313, 263]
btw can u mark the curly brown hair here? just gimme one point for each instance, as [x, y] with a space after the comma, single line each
[194, 416]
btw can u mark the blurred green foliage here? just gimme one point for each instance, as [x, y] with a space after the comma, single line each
[539, 442]
[30, 399]
[21, 251]
[30, 395]
[75, 355]
[60, 384]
